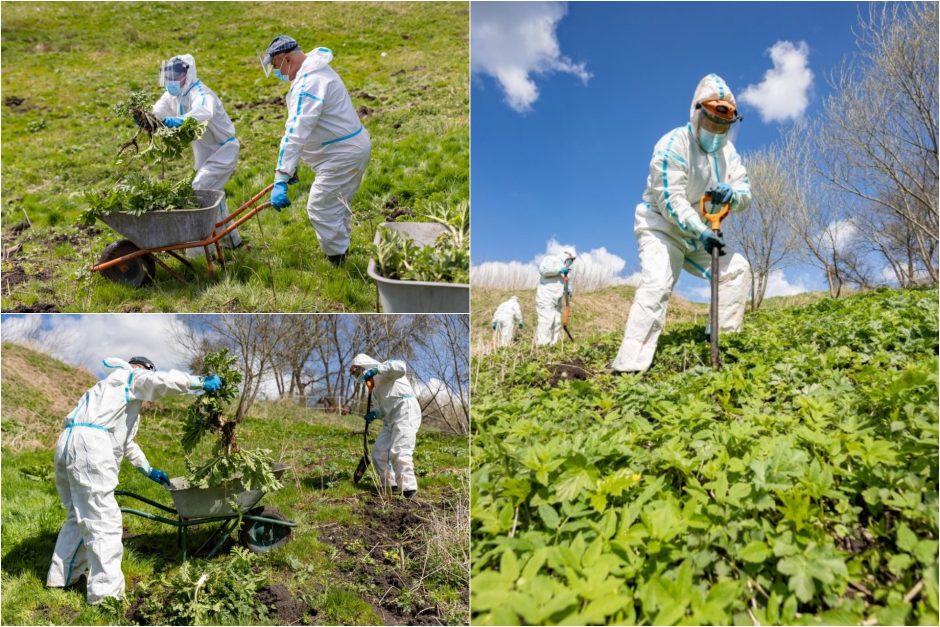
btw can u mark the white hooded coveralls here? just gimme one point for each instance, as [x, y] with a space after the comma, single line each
[549, 296]
[667, 227]
[216, 152]
[395, 402]
[324, 131]
[98, 434]
[507, 317]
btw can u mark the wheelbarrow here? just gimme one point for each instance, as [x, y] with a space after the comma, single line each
[261, 529]
[133, 261]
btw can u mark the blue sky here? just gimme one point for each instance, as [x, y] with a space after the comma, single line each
[573, 166]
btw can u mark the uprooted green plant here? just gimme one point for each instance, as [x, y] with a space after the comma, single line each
[164, 144]
[797, 485]
[222, 591]
[253, 468]
[137, 194]
[447, 260]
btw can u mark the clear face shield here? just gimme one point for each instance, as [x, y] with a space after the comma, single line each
[172, 75]
[266, 66]
[717, 125]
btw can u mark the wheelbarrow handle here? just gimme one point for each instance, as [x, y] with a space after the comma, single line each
[246, 205]
[713, 219]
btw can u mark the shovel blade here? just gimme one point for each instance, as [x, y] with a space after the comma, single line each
[361, 469]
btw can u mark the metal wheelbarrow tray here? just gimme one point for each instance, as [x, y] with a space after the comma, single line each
[133, 261]
[262, 528]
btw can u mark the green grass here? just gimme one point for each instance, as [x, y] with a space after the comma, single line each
[72, 61]
[318, 494]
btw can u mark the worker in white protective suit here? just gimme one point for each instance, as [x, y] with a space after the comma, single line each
[97, 435]
[670, 232]
[507, 317]
[324, 131]
[216, 152]
[549, 296]
[400, 412]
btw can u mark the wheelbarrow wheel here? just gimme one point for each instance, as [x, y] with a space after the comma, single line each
[135, 272]
[261, 537]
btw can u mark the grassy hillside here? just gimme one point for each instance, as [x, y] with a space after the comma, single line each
[601, 311]
[355, 558]
[66, 64]
[798, 485]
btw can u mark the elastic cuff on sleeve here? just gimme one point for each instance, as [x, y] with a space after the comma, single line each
[195, 382]
[144, 470]
[280, 177]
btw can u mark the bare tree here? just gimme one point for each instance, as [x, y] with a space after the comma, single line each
[763, 235]
[446, 396]
[880, 133]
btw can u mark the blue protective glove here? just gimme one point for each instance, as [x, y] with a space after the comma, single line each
[493, 326]
[212, 383]
[710, 239]
[722, 194]
[564, 271]
[279, 198]
[173, 122]
[372, 415]
[368, 374]
[159, 476]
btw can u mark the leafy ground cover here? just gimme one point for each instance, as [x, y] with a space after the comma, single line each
[66, 65]
[355, 557]
[798, 485]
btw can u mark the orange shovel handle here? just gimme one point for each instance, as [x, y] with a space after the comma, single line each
[714, 219]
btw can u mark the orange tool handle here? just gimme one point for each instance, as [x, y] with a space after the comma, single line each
[370, 384]
[714, 219]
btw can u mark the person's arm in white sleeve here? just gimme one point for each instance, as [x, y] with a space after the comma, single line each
[393, 368]
[134, 454]
[517, 314]
[669, 174]
[145, 385]
[203, 104]
[304, 106]
[550, 267]
[163, 108]
[739, 182]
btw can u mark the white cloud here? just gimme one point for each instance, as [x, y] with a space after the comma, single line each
[779, 285]
[86, 340]
[784, 92]
[512, 41]
[838, 234]
[592, 270]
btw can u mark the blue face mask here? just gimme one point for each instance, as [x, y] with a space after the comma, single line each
[280, 76]
[173, 88]
[711, 142]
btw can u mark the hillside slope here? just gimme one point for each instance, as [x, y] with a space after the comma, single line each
[796, 485]
[355, 557]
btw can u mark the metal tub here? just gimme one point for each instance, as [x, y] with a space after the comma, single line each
[206, 502]
[156, 229]
[419, 296]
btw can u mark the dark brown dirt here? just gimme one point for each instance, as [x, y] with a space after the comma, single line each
[19, 104]
[859, 540]
[575, 370]
[36, 308]
[273, 101]
[287, 609]
[366, 95]
[401, 212]
[386, 535]
[19, 228]
[365, 112]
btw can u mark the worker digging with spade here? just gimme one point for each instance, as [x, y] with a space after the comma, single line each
[395, 402]
[689, 162]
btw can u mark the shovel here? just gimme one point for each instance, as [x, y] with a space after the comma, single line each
[566, 316]
[366, 458]
[714, 222]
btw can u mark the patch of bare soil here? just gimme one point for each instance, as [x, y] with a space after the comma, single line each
[283, 605]
[19, 104]
[365, 112]
[34, 308]
[273, 101]
[573, 371]
[378, 551]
